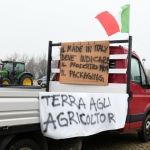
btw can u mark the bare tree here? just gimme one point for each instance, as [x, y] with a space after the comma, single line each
[13, 56]
[42, 65]
[31, 66]
[17, 57]
[23, 58]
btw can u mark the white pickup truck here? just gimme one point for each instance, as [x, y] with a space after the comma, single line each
[21, 120]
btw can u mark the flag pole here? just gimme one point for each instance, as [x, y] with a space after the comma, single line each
[129, 19]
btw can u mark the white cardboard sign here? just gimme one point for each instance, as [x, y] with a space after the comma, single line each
[65, 115]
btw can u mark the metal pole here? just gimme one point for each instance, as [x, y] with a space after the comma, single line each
[49, 64]
[129, 67]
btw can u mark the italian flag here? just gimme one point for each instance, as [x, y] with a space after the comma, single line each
[115, 21]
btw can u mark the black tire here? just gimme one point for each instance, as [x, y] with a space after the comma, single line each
[26, 80]
[21, 144]
[144, 134]
[42, 85]
[5, 81]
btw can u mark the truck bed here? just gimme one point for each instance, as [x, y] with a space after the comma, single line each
[19, 106]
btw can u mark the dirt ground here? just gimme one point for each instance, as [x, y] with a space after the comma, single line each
[114, 141]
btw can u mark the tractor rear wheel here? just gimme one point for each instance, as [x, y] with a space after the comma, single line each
[26, 80]
[5, 81]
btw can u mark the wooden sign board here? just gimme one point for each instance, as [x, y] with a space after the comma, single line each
[84, 63]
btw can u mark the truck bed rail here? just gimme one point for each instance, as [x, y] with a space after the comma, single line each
[55, 86]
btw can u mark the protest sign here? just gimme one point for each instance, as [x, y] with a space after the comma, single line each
[65, 115]
[84, 63]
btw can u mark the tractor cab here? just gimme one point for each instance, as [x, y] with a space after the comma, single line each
[14, 67]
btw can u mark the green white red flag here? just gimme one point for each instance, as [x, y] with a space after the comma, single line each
[115, 21]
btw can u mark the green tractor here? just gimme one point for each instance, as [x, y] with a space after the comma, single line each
[12, 72]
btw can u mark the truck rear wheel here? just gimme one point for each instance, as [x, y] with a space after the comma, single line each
[144, 134]
[23, 144]
[5, 81]
[66, 144]
[26, 80]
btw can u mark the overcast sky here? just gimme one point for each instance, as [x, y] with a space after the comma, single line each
[26, 26]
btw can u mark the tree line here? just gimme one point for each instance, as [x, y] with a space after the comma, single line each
[36, 65]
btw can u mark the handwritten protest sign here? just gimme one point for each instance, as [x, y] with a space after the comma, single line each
[65, 115]
[84, 62]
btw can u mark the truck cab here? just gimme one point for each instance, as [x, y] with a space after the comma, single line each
[139, 101]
